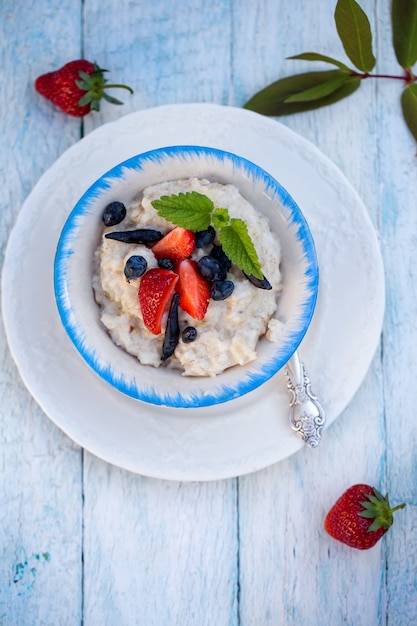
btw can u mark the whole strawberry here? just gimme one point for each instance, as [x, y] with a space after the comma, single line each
[77, 87]
[360, 517]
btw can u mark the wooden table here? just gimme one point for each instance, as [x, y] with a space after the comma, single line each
[85, 542]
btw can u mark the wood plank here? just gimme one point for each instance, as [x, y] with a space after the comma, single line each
[291, 572]
[398, 169]
[168, 52]
[40, 468]
[253, 551]
[159, 552]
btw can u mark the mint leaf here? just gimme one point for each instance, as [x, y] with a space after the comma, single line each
[238, 246]
[189, 210]
[220, 218]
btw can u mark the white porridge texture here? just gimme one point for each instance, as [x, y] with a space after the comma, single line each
[229, 333]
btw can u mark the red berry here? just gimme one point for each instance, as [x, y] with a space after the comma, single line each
[155, 291]
[76, 88]
[360, 517]
[194, 290]
[176, 245]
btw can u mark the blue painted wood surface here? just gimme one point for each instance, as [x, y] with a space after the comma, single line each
[83, 542]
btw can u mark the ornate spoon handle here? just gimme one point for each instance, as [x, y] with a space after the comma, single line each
[306, 413]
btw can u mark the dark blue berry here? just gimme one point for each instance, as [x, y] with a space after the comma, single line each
[222, 289]
[204, 237]
[218, 253]
[135, 267]
[166, 264]
[210, 269]
[172, 330]
[257, 282]
[189, 334]
[114, 213]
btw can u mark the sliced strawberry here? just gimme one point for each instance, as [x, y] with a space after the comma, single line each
[194, 290]
[175, 245]
[155, 291]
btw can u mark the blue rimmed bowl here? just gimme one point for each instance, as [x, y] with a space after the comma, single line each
[80, 314]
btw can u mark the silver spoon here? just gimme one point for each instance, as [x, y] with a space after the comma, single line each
[306, 414]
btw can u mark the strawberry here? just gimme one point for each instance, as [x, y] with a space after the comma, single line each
[360, 517]
[155, 290]
[194, 290]
[175, 245]
[76, 88]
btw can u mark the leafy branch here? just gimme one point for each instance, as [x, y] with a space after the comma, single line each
[312, 90]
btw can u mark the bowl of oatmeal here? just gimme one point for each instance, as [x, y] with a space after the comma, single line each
[186, 276]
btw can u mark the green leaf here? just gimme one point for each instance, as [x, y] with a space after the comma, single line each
[220, 218]
[404, 31]
[86, 77]
[367, 504]
[376, 525]
[81, 84]
[111, 99]
[85, 99]
[272, 99]
[355, 33]
[379, 496]
[189, 210]
[409, 107]
[315, 56]
[367, 514]
[319, 91]
[238, 246]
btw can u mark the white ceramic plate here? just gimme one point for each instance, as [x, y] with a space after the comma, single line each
[242, 435]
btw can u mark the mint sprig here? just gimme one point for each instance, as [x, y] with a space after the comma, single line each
[189, 210]
[195, 211]
[238, 246]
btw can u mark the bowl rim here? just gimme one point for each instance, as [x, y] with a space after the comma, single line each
[175, 399]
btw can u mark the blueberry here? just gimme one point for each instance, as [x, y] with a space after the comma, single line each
[218, 253]
[114, 213]
[222, 289]
[166, 264]
[189, 334]
[210, 269]
[204, 237]
[135, 267]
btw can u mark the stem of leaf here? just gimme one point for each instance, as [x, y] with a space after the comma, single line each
[396, 508]
[106, 86]
[408, 76]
